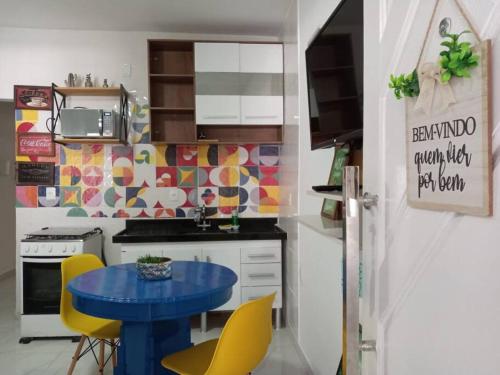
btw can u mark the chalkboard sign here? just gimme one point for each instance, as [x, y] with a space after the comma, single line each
[34, 173]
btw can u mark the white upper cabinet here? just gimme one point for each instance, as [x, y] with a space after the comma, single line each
[239, 84]
[262, 110]
[217, 57]
[218, 109]
[261, 58]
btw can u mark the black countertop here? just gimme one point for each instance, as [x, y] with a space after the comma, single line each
[185, 230]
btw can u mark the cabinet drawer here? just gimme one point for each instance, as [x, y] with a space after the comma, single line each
[261, 255]
[251, 293]
[261, 274]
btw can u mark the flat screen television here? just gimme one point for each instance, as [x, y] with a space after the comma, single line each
[334, 63]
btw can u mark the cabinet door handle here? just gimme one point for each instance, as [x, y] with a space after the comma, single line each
[215, 117]
[261, 255]
[209, 260]
[256, 275]
[256, 117]
[196, 258]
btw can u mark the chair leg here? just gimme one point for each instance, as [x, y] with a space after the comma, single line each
[76, 355]
[113, 353]
[101, 356]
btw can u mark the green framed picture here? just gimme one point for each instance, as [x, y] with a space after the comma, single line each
[335, 178]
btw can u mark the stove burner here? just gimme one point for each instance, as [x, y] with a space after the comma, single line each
[62, 234]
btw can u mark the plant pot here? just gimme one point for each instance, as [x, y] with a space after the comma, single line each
[155, 271]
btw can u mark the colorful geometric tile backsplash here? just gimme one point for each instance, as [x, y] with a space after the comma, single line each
[153, 181]
[145, 180]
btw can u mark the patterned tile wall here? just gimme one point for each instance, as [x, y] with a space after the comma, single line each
[154, 181]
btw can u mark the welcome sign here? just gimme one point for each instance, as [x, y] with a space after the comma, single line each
[449, 159]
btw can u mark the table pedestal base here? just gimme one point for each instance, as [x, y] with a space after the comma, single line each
[144, 344]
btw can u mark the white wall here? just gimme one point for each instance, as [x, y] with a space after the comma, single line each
[438, 272]
[289, 169]
[313, 261]
[40, 57]
[7, 189]
[31, 56]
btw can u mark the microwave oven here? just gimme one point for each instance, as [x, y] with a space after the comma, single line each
[88, 123]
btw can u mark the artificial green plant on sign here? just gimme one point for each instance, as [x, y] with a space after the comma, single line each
[456, 61]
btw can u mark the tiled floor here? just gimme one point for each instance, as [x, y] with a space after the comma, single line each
[52, 357]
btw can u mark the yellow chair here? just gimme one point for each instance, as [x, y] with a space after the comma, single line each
[241, 347]
[101, 331]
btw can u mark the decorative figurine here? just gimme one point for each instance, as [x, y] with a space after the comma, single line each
[88, 81]
[71, 81]
[105, 83]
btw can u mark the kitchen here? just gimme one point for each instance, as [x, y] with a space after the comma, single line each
[210, 161]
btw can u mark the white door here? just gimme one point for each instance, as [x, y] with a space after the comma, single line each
[217, 67]
[431, 279]
[130, 253]
[230, 257]
[261, 68]
[183, 252]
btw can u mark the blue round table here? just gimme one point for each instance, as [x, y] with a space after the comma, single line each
[154, 314]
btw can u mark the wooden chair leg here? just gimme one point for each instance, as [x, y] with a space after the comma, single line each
[76, 355]
[114, 349]
[101, 356]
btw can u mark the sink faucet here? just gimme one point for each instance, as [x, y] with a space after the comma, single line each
[200, 217]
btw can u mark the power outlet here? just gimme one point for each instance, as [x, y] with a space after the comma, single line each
[126, 70]
[173, 195]
[50, 193]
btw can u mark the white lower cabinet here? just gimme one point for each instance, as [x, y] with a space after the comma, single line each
[229, 257]
[261, 274]
[256, 263]
[250, 293]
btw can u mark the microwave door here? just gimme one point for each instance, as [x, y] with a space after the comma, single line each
[80, 123]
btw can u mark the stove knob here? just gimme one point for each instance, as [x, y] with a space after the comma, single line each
[27, 249]
[36, 249]
[65, 248]
[73, 250]
[50, 249]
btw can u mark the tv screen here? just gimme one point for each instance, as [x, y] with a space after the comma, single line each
[334, 63]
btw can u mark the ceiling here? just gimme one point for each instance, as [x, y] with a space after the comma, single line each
[245, 17]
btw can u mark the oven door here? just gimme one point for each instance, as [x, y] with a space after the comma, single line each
[41, 285]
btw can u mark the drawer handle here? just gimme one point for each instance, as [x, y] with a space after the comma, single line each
[256, 275]
[262, 256]
[254, 298]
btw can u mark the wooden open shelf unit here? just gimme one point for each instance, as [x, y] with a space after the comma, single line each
[82, 141]
[172, 89]
[258, 134]
[88, 91]
[59, 95]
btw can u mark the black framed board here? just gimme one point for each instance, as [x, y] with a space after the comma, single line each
[30, 173]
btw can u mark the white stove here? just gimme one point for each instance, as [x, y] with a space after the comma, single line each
[41, 254]
[62, 242]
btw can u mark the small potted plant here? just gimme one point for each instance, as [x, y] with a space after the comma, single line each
[154, 268]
